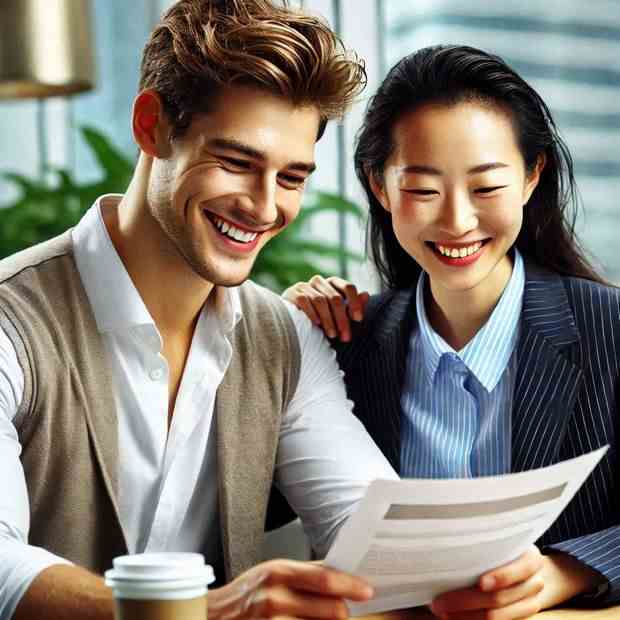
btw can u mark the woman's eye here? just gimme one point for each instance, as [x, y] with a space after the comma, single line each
[422, 192]
[488, 190]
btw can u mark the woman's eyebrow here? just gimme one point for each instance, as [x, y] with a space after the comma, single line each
[486, 167]
[420, 169]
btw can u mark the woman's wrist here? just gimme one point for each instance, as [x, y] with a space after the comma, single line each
[565, 577]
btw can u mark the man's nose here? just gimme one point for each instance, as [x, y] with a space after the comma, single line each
[264, 199]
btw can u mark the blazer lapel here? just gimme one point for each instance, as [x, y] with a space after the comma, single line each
[547, 380]
[387, 355]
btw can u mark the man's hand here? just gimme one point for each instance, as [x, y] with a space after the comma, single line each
[287, 588]
[329, 303]
[519, 589]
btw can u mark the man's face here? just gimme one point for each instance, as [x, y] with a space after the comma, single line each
[233, 181]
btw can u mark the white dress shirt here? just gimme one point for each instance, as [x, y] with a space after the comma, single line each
[168, 476]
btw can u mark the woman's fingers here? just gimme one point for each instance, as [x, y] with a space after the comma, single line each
[329, 303]
[355, 301]
[304, 303]
[524, 608]
[472, 599]
[520, 569]
[506, 590]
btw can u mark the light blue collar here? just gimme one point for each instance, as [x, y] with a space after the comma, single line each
[488, 353]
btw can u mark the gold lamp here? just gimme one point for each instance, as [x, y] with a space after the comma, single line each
[45, 48]
[45, 51]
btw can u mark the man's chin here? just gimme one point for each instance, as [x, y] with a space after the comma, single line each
[230, 282]
[219, 277]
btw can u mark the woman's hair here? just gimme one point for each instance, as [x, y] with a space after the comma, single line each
[202, 46]
[449, 75]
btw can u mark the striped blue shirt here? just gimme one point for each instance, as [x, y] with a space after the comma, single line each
[457, 405]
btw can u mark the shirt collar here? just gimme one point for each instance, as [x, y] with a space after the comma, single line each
[489, 351]
[433, 345]
[116, 303]
[227, 306]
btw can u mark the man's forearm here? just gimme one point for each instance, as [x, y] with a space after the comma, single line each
[66, 593]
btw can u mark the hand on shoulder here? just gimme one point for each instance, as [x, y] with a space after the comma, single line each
[330, 303]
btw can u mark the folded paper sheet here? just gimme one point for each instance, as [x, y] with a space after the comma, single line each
[414, 539]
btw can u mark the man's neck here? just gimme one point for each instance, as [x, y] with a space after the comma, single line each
[169, 288]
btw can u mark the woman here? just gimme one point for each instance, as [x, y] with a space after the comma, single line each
[495, 346]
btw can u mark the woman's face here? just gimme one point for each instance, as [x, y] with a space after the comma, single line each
[455, 186]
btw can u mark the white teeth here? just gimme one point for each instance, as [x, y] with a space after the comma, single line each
[235, 233]
[459, 252]
[232, 232]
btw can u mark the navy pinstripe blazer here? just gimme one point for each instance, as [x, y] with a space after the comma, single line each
[566, 397]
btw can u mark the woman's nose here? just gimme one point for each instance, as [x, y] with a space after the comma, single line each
[458, 216]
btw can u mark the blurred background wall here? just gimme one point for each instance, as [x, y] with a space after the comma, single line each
[568, 49]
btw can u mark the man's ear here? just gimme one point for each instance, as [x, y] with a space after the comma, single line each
[150, 125]
[531, 182]
[377, 187]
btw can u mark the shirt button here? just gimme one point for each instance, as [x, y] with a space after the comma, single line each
[156, 374]
[154, 342]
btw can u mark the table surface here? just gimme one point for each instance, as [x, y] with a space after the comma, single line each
[611, 613]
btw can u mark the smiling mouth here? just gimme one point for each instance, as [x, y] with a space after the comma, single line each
[462, 251]
[232, 232]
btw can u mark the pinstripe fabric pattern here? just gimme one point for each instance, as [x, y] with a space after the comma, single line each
[565, 397]
[456, 406]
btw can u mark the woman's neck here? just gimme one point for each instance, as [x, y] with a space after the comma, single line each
[457, 315]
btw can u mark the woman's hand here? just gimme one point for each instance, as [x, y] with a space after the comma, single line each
[329, 303]
[519, 589]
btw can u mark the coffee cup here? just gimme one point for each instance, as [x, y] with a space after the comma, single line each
[160, 586]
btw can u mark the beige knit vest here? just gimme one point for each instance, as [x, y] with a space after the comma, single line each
[67, 421]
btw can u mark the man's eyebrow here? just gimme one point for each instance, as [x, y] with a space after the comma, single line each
[248, 151]
[415, 168]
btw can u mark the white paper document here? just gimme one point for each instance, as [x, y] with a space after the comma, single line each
[414, 539]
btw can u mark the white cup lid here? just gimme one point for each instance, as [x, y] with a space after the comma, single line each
[150, 567]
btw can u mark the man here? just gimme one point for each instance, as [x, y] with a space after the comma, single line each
[147, 396]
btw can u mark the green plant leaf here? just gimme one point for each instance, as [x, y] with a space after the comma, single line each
[114, 164]
[323, 202]
[28, 186]
[327, 249]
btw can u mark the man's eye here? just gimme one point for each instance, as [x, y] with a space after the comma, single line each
[236, 163]
[291, 180]
[488, 190]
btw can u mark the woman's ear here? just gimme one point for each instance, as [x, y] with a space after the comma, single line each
[532, 179]
[378, 189]
[150, 125]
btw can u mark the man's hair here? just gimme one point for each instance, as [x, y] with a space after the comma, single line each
[202, 46]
